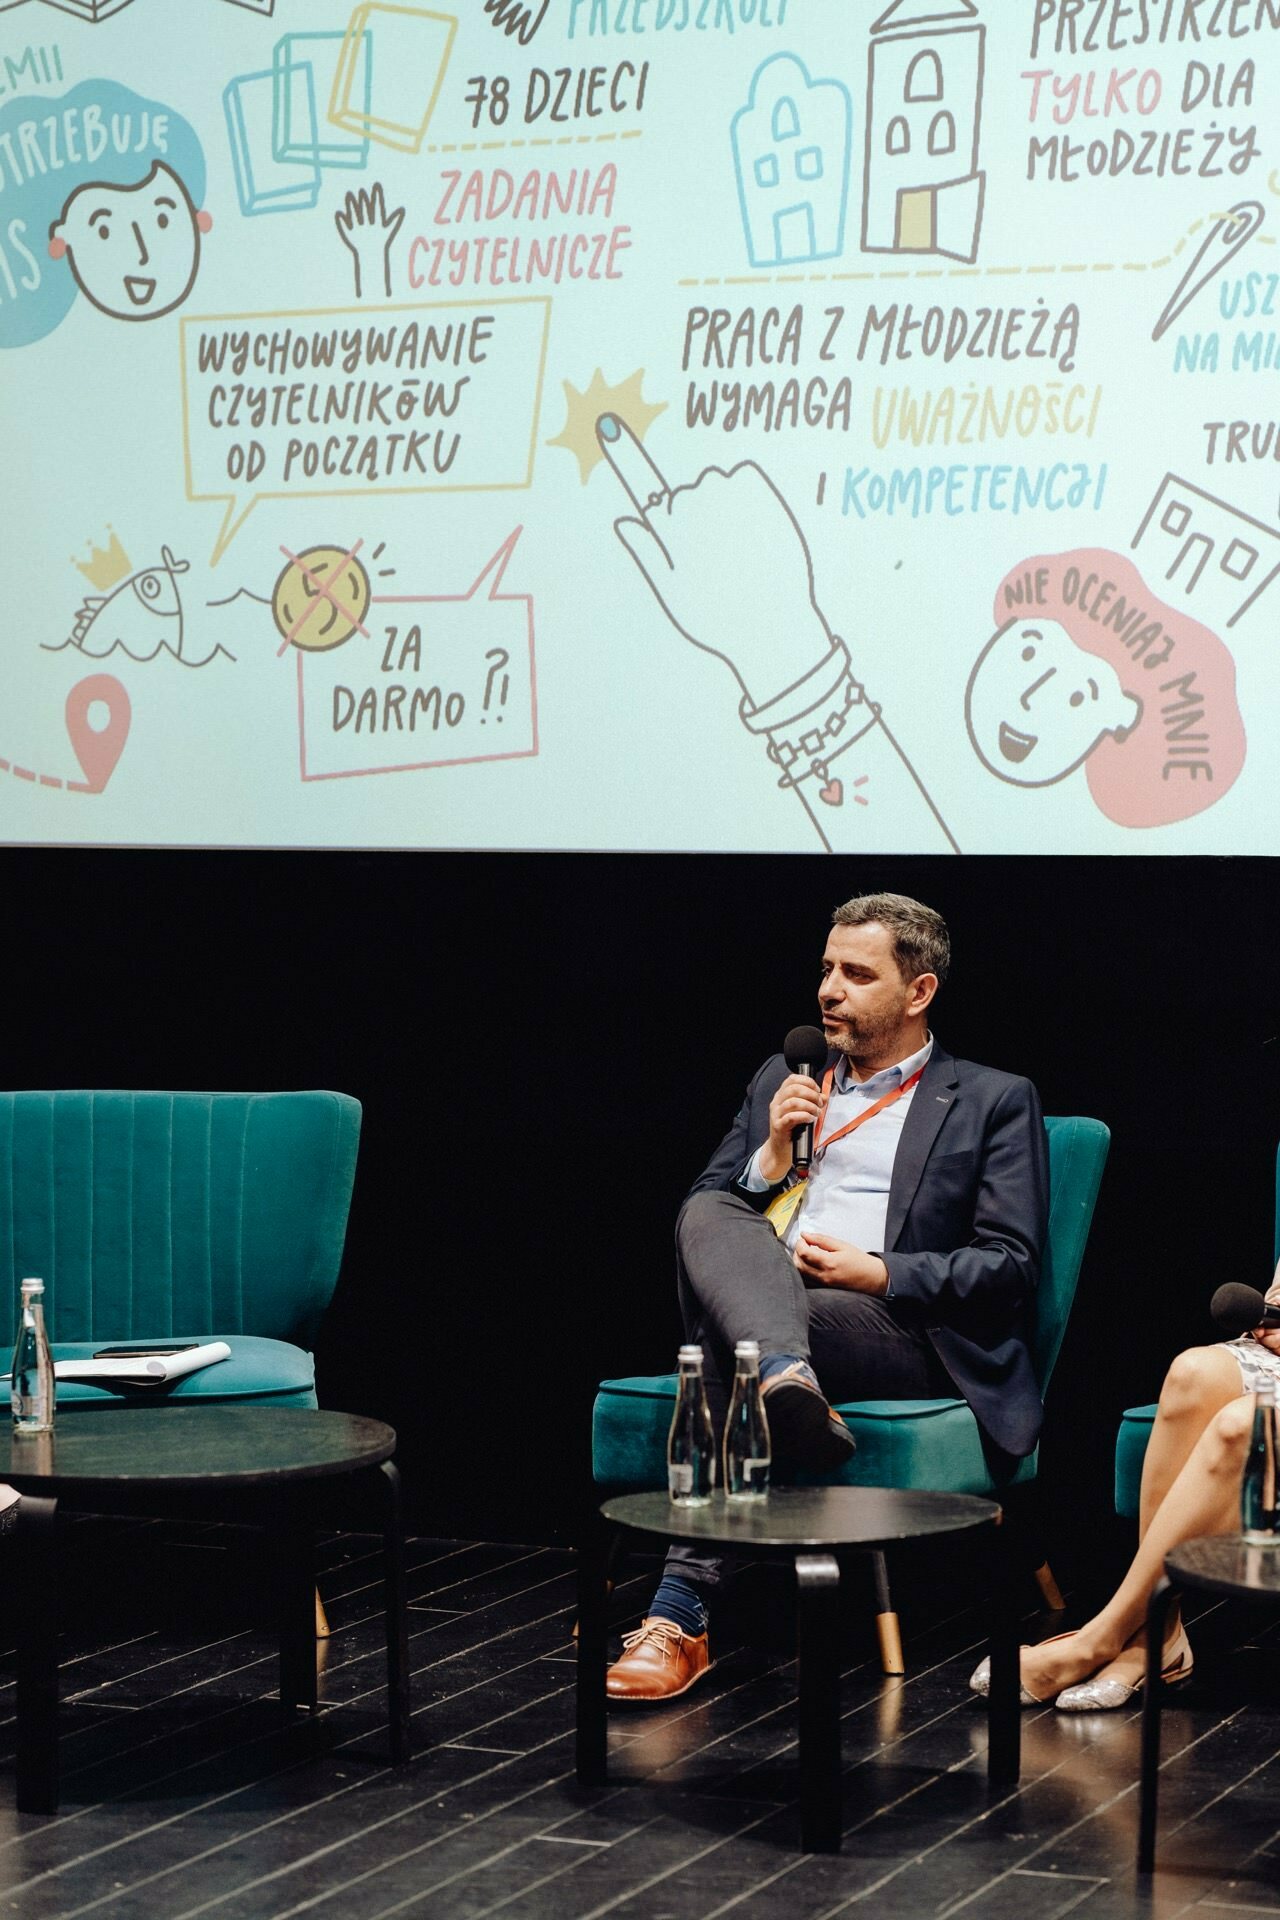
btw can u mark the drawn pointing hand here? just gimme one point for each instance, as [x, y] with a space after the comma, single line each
[367, 230]
[727, 561]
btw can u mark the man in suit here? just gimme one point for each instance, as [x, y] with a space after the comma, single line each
[906, 1268]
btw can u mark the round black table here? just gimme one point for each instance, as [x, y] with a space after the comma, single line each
[811, 1526]
[1224, 1564]
[263, 1466]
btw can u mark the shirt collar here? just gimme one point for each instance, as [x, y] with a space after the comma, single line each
[888, 1077]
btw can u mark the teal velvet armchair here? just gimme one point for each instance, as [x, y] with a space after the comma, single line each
[156, 1216]
[1136, 1422]
[927, 1444]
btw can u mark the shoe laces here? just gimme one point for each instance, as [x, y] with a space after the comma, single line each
[665, 1632]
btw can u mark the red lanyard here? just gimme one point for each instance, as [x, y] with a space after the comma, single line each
[886, 1100]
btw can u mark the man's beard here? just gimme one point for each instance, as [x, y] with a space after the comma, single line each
[868, 1038]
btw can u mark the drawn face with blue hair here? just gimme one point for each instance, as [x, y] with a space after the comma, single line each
[134, 251]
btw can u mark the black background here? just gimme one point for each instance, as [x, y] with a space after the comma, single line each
[548, 1047]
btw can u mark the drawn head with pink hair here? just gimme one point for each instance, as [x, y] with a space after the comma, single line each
[1086, 667]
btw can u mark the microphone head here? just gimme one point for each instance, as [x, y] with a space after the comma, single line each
[1236, 1308]
[807, 1047]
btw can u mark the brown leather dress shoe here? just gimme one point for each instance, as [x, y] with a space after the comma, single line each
[659, 1662]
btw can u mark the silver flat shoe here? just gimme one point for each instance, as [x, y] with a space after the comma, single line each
[1105, 1696]
[980, 1678]
[980, 1683]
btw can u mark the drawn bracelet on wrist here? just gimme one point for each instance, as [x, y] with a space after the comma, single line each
[810, 721]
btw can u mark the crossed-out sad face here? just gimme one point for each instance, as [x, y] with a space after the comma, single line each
[134, 251]
[1036, 705]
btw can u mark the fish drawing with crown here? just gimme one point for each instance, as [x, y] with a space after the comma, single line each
[141, 614]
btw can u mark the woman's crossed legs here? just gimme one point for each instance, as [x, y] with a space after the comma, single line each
[1190, 1486]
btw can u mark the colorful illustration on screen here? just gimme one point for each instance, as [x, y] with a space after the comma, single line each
[134, 252]
[102, 195]
[827, 315]
[923, 190]
[138, 613]
[791, 145]
[97, 716]
[1093, 670]
[321, 597]
[730, 567]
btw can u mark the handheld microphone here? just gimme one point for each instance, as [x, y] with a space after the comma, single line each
[805, 1051]
[1238, 1309]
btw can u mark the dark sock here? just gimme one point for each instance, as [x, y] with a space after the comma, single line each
[679, 1600]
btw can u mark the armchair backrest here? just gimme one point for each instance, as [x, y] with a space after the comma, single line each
[149, 1214]
[1077, 1154]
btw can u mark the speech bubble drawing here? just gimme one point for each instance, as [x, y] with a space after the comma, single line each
[435, 397]
[441, 679]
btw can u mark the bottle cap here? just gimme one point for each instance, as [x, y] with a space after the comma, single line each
[748, 1349]
[691, 1352]
[33, 1286]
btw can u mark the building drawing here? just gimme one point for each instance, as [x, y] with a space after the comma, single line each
[791, 149]
[1221, 560]
[923, 189]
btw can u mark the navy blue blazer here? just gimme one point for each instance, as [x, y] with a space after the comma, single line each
[968, 1205]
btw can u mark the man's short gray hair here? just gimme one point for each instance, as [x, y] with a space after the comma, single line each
[921, 943]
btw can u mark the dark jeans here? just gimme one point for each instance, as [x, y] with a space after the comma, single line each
[737, 1282]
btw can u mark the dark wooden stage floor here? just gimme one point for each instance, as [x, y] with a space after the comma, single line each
[184, 1794]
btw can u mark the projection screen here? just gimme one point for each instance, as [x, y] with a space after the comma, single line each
[748, 425]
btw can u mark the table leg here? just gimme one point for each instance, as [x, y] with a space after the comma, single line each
[818, 1637]
[296, 1604]
[1162, 1597]
[1004, 1712]
[888, 1630]
[36, 1607]
[397, 1617]
[593, 1631]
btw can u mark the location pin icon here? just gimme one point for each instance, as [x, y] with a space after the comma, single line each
[97, 748]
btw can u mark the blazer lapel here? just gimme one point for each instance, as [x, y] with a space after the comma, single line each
[930, 1105]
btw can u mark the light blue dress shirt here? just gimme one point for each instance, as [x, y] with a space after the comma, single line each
[848, 1184]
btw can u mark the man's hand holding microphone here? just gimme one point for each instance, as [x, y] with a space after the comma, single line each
[793, 1115]
[793, 1111]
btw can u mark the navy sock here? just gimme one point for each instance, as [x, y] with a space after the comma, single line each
[679, 1600]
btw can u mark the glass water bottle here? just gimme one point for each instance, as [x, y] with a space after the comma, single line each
[31, 1388]
[691, 1446]
[747, 1452]
[1258, 1487]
